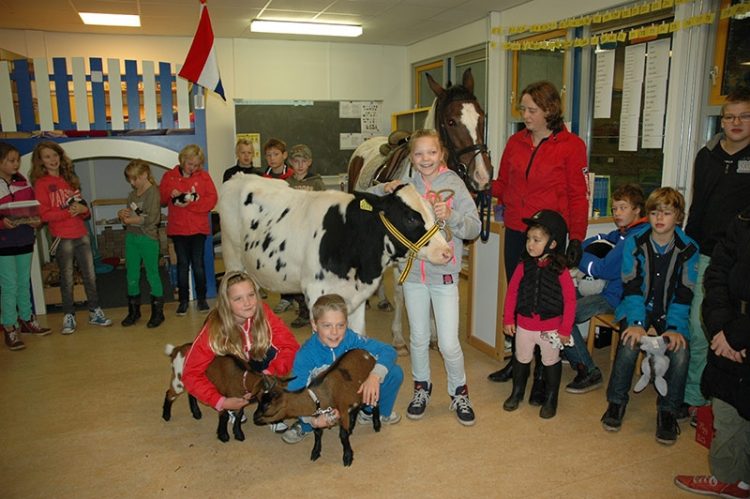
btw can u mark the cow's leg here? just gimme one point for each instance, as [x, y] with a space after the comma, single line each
[396, 326]
[357, 320]
[194, 408]
[383, 303]
[348, 452]
[237, 427]
[318, 432]
[221, 429]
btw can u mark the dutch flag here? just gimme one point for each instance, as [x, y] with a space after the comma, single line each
[200, 65]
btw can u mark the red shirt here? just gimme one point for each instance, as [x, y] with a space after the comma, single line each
[193, 218]
[200, 356]
[53, 194]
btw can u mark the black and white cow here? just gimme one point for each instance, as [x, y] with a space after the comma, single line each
[321, 242]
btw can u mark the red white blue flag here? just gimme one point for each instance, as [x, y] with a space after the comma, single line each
[200, 65]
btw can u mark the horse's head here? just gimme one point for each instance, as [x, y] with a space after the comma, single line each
[460, 121]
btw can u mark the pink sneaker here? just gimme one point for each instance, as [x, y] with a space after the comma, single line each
[708, 485]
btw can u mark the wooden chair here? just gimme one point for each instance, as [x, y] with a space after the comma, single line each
[604, 320]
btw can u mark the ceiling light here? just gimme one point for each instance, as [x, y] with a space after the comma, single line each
[110, 19]
[298, 28]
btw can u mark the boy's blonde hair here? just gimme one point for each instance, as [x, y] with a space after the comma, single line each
[191, 151]
[667, 197]
[736, 96]
[274, 144]
[138, 167]
[328, 303]
[224, 336]
[243, 142]
[67, 172]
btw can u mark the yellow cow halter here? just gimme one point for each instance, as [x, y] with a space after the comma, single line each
[413, 247]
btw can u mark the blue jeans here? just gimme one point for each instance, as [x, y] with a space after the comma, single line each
[80, 249]
[622, 377]
[586, 308]
[189, 250]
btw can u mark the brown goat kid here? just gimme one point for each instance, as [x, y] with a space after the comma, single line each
[335, 388]
[231, 376]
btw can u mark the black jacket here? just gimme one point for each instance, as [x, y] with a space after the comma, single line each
[726, 307]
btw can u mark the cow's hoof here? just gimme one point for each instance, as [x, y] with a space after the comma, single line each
[385, 306]
[401, 350]
[434, 345]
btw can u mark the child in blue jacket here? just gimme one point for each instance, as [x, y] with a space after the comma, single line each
[659, 269]
[330, 340]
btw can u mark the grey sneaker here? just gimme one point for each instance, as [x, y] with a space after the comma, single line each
[364, 418]
[282, 306]
[97, 318]
[295, 434]
[69, 324]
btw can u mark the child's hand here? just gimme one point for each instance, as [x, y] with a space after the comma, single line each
[632, 335]
[123, 214]
[565, 340]
[370, 390]
[325, 420]
[676, 341]
[234, 403]
[76, 209]
[509, 330]
[442, 210]
[389, 187]
[9, 224]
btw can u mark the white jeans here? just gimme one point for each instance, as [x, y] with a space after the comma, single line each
[444, 300]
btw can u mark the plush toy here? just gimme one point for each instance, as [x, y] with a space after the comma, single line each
[586, 284]
[655, 365]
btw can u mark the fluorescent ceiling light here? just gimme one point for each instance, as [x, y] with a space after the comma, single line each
[110, 19]
[298, 28]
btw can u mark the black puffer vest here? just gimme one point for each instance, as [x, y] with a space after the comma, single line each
[539, 291]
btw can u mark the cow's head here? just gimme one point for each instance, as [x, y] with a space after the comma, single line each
[412, 216]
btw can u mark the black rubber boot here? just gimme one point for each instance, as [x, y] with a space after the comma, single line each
[157, 312]
[552, 376]
[134, 311]
[537, 388]
[506, 373]
[520, 377]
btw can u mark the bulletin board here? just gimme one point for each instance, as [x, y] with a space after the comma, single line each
[330, 128]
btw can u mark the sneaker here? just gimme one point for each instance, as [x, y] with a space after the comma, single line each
[461, 404]
[295, 434]
[69, 324]
[418, 404]
[709, 486]
[667, 428]
[97, 318]
[612, 418]
[12, 338]
[282, 306]
[31, 326]
[203, 306]
[585, 381]
[300, 321]
[279, 427]
[182, 308]
[232, 417]
[364, 418]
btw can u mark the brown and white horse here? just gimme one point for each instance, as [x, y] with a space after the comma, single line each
[459, 118]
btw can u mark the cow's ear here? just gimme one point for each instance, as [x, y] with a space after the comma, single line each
[367, 201]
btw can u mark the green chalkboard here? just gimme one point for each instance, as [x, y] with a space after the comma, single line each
[315, 123]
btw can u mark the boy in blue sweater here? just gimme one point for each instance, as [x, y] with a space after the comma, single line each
[628, 212]
[330, 340]
[659, 269]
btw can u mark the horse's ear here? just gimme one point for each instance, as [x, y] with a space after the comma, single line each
[434, 86]
[468, 80]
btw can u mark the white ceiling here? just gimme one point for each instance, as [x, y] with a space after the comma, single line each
[385, 22]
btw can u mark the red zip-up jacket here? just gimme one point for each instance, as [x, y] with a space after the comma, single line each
[193, 218]
[200, 356]
[551, 176]
[53, 194]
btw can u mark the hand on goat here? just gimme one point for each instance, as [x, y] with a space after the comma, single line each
[370, 390]
[325, 420]
[234, 403]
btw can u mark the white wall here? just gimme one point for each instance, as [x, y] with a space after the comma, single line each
[250, 69]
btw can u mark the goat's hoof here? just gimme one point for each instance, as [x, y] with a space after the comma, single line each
[385, 306]
[197, 415]
[223, 437]
[401, 350]
[348, 459]
[239, 437]
[314, 456]
[166, 417]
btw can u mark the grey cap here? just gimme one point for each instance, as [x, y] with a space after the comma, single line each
[301, 151]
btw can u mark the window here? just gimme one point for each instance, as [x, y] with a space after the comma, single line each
[530, 66]
[731, 55]
[422, 92]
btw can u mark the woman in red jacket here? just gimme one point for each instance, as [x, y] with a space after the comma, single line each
[543, 167]
[243, 326]
[189, 194]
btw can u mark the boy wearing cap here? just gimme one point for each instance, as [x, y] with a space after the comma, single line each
[659, 269]
[300, 157]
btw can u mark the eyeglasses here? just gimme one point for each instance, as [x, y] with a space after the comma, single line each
[729, 118]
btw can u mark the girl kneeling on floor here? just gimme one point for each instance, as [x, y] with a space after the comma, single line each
[540, 306]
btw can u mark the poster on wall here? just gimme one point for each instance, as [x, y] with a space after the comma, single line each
[605, 73]
[635, 58]
[255, 139]
[655, 94]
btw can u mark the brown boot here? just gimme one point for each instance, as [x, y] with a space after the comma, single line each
[12, 338]
[32, 326]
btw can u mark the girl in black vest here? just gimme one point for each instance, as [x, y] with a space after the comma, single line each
[540, 306]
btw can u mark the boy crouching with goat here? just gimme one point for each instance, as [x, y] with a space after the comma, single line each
[330, 340]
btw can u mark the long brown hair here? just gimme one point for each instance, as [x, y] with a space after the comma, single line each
[67, 172]
[224, 336]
